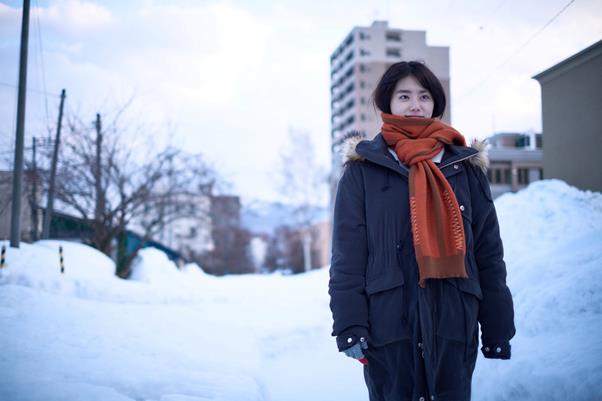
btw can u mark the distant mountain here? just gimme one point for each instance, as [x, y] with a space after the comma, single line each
[264, 217]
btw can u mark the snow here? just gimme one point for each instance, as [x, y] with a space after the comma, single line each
[172, 334]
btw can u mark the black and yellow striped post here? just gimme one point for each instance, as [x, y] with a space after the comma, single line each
[3, 256]
[61, 258]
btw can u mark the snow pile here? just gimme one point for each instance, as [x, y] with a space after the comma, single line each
[153, 266]
[38, 266]
[175, 335]
[547, 213]
[552, 235]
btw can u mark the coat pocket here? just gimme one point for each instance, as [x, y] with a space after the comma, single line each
[458, 306]
[386, 309]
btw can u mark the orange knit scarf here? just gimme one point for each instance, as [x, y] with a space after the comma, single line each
[437, 227]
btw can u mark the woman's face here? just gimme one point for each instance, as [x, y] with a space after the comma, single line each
[410, 99]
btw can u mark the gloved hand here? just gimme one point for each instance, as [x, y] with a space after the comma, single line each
[357, 351]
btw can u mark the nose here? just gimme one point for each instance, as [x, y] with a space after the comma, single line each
[415, 105]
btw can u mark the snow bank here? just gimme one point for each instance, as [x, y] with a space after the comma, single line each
[38, 266]
[552, 236]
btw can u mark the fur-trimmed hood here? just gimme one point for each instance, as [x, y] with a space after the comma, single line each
[349, 152]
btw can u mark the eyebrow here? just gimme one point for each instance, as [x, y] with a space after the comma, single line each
[409, 91]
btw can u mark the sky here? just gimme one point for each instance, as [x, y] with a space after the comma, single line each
[231, 79]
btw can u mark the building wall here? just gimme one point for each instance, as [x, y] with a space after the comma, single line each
[322, 244]
[6, 193]
[515, 161]
[571, 108]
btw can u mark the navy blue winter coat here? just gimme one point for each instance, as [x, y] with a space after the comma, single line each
[374, 275]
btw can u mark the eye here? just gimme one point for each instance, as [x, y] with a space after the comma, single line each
[425, 96]
[403, 97]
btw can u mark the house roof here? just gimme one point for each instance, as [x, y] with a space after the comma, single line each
[573, 61]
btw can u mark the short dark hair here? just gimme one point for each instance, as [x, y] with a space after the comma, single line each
[386, 85]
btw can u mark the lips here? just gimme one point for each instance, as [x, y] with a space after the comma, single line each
[414, 116]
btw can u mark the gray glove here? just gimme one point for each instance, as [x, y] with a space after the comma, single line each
[356, 351]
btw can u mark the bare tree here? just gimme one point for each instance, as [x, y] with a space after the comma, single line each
[113, 184]
[302, 183]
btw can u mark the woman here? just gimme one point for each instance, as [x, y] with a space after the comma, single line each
[417, 258]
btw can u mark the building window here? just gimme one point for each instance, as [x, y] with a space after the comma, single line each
[362, 100]
[362, 117]
[507, 176]
[523, 176]
[349, 41]
[364, 36]
[393, 52]
[393, 36]
[362, 68]
[364, 52]
[349, 57]
[362, 84]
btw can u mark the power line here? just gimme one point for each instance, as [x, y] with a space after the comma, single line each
[42, 66]
[493, 12]
[30, 89]
[518, 50]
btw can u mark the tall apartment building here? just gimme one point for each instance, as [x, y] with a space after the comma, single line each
[357, 64]
[360, 60]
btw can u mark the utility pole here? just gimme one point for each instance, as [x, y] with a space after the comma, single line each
[99, 209]
[50, 199]
[15, 221]
[34, 191]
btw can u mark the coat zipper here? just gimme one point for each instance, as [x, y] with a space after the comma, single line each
[435, 324]
[457, 161]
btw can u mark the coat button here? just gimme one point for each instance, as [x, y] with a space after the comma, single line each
[421, 399]
[456, 166]
[462, 207]
[432, 397]
[362, 339]
[349, 340]
[419, 345]
[498, 350]
[487, 349]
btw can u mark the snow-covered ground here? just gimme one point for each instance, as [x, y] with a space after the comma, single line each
[170, 335]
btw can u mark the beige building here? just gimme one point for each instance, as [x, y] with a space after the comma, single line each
[321, 244]
[571, 97]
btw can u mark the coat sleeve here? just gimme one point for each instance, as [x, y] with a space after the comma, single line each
[348, 300]
[496, 312]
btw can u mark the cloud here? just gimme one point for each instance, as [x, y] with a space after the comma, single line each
[74, 16]
[67, 17]
[10, 18]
